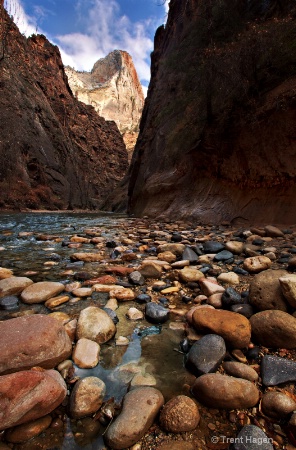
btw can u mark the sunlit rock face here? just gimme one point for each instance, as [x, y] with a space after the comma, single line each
[114, 90]
[55, 152]
[216, 136]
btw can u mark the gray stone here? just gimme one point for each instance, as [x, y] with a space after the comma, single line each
[156, 313]
[206, 354]
[276, 370]
[136, 278]
[240, 370]
[223, 256]
[243, 309]
[213, 247]
[252, 438]
[189, 255]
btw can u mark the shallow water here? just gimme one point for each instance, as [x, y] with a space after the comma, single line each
[152, 349]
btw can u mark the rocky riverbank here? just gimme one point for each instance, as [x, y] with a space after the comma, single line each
[224, 296]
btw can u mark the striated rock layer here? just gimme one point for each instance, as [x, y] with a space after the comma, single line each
[217, 136]
[114, 90]
[55, 152]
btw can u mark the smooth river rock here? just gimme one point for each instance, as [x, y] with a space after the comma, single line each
[87, 397]
[86, 353]
[277, 405]
[221, 391]
[273, 328]
[35, 340]
[234, 328]
[13, 285]
[156, 313]
[140, 407]
[95, 324]
[276, 370]
[256, 264]
[265, 291]
[29, 395]
[179, 414]
[26, 431]
[42, 291]
[252, 438]
[206, 354]
[240, 370]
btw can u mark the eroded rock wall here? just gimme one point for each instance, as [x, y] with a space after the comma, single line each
[217, 137]
[55, 152]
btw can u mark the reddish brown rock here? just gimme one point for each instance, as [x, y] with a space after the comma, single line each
[179, 414]
[28, 395]
[274, 328]
[29, 341]
[233, 327]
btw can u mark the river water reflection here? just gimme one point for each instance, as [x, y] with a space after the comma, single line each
[151, 348]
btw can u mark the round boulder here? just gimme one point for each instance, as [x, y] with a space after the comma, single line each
[87, 397]
[95, 324]
[265, 291]
[179, 414]
[274, 328]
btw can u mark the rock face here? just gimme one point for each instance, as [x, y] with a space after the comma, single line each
[114, 90]
[55, 152]
[216, 113]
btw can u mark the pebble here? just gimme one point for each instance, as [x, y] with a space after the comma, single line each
[252, 437]
[150, 270]
[256, 264]
[189, 274]
[136, 278]
[206, 355]
[243, 309]
[168, 257]
[13, 285]
[225, 255]
[10, 303]
[143, 298]
[156, 313]
[288, 287]
[143, 380]
[180, 414]
[82, 292]
[5, 273]
[23, 433]
[210, 287]
[229, 278]
[56, 301]
[276, 370]
[274, 328]
[41, 291]
[277, 405]
[234, 247]
[265, 290]
[213, 247]
[86, 353]
[140, 407]
[122, 294]
[134, 314]
[122, 340]
[215, 300]
[87, 257]
[273, 231]
[87, 397]
[176, 249]
[189, 255]
[95, 324]
[234, 328]
[240, 370]
[230, 297]
[221, 391]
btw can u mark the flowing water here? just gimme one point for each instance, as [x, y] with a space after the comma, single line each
[152, 348]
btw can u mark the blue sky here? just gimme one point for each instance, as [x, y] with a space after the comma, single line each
[87, 30]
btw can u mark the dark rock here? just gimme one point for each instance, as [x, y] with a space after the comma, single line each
[155, 313]
[136, 278]
[189, 255]
[240, 271]
[164, 301]
[176, 237]
[253, 353]
[10, 303]
[206, 354]
[276, 370]
[185, 345]
[244, 309]
[112, 314]
[143, 298]
[111, 244]
[225, 255]
[231, 297]
[258, 242]
[186, 299]
[252, 438]
[213, 247]
[82, 276]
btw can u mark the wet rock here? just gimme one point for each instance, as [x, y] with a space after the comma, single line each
[122, 294]
[143, 298]
[189, 255]
[112, 314]
[277, 405]
[179, 414]
[87, 397]
[86, 353]
[13, 285]
[252, 438]
[5, 273]
[288, 287]
[140, 407]
[95, 324]
[231, 297]
[221, 391]
[56, 301]
[176, 249]
[244, 309]
[229, 278]
[206, 355]
[87, 257]
[235, 247]
[42, 291]
[213, 247]
[29, 395]
[272, 231]
[134, 314]
[34, 340]
[82, 292]
[156, 313]
[136, 278]
[274, 328]
[9, 303]
[22, 433]
[276, 370]
[150, 270]
[189, 274]
[256, 264]
[234, 328]
[143, 380]
[265, 291]
[225, 255]
[240, 370]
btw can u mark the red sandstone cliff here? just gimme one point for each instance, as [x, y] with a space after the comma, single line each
[55, 152]
[218, 133]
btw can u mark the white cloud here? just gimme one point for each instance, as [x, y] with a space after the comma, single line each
[105, 31]
[26, 24]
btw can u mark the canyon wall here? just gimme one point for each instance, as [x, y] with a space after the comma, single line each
[217, 138]
[114, 90]
[55, 152]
